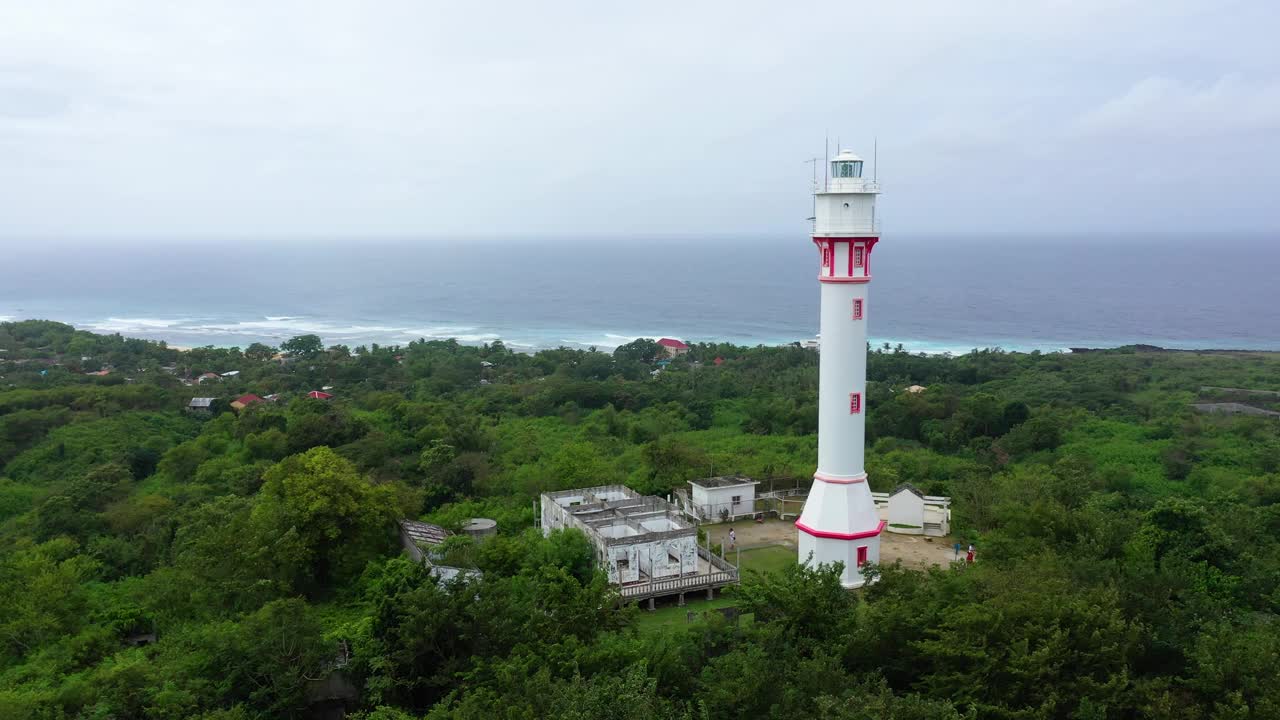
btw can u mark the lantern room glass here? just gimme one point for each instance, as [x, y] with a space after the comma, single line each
[846, 168]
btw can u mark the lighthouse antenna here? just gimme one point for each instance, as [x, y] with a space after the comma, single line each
[875, 161]
[826, 155]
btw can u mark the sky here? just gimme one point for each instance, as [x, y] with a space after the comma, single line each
[285, 120]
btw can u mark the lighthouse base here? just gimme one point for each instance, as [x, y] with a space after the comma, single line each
[840, 524]
[815, 551]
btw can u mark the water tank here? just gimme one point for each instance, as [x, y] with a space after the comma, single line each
[480, 528]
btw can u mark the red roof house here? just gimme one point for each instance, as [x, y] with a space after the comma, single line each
[673, 347]
[245, 401]
[318, 395]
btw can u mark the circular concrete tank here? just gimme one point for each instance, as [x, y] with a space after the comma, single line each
[481, 528]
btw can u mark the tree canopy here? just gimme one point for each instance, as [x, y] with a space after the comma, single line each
[161, 563]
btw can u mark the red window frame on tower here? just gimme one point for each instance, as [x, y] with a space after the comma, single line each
[855, 403]
[857, 308]
[858, 256]
[862, 555]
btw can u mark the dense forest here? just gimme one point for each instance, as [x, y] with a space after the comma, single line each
[157, 562]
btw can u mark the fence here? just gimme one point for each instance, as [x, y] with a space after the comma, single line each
[784, 503]
[719, 573]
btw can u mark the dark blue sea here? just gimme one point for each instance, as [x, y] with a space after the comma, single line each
[930, 293]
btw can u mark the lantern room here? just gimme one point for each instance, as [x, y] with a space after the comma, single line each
[846, 165]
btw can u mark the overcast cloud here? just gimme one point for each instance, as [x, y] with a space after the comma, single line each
[277, 119]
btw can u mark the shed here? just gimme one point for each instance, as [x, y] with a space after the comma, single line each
[906, 506]
[201, 404]
[417, 537]
[319, 395]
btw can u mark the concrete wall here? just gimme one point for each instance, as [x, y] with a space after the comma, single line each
[623, 564]
[665, 558]
[554, 517]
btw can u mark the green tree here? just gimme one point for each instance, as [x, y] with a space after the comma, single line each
[305, 346]
[340, 520]
[258, 352]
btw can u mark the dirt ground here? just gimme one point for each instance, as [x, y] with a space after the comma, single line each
[915, 551]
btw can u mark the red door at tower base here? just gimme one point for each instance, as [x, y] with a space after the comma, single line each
[862, 556]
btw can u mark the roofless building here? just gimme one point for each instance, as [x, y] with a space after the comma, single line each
[645, 545]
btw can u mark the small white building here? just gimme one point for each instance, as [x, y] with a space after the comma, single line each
[723, 498]
[907, 511]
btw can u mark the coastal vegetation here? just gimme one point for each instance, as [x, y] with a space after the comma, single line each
[162, 562]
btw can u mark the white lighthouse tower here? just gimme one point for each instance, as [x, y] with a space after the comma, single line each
[840, 522]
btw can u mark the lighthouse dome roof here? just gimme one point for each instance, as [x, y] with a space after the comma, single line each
[847, 155]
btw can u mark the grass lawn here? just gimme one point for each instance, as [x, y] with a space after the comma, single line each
[668, 614]
[768, 559]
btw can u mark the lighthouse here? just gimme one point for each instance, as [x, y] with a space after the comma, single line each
[840, 522]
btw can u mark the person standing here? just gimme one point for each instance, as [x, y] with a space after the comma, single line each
[733, 539]
[969, 558]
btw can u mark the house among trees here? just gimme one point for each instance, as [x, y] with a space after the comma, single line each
[319, 395]
[208, 376]
[245, 401]
[419, 538]
[672, 347]
[422, 542]
[202, 405]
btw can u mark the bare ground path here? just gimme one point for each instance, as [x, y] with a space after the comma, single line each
[915, 551]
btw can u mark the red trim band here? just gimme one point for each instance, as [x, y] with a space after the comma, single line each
[840, 536]
[822, 477]
[866, 279]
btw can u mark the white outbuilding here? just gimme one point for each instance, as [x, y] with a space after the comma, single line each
[907, 511]
[723, 498]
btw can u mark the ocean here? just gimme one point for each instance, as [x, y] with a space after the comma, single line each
[930, 293]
